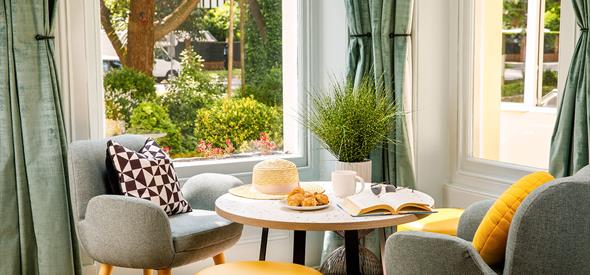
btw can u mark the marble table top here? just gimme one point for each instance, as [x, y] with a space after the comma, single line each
[272, 214]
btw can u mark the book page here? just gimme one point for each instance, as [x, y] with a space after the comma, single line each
[365, 200]
[406, 196]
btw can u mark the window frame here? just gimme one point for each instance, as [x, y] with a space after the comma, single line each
[488, 176]
[533, 62]
[79, 59]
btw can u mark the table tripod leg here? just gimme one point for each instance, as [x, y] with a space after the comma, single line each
[351, 248]
[299, 247]
[263, 244]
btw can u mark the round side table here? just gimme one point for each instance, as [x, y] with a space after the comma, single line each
[272, 214]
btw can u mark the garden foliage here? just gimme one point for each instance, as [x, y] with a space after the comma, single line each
[239, 120]
[192, 90]
[125, 89]
[151, 118]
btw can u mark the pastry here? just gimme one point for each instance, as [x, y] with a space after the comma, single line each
[295, 199]
[308, 195]
[322, 199]
[296, 190]
[310, 201]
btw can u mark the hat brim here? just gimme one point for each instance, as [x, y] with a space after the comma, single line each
[248, 191]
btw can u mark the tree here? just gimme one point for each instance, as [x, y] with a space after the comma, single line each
[264, 40]
[552, 13]
[242, 5]
[143, 30]
[230, 47]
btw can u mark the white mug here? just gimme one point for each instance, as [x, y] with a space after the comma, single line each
[344, 183]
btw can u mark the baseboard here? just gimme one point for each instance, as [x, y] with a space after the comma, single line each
[463, 196]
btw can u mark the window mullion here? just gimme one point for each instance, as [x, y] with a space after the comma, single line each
[533, 30]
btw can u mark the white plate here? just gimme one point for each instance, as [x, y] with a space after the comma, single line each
[305, 208]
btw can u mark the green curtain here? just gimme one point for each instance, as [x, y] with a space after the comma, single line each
[569, 143]
[379, 35]
[36, 228]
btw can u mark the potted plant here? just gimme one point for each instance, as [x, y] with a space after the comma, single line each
[351, 122]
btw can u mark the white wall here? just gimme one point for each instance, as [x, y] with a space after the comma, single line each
[431, 99]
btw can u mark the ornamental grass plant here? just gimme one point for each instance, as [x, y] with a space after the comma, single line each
[351, 122]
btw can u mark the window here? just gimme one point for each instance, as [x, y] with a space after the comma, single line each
[515, 80]
[185, 95]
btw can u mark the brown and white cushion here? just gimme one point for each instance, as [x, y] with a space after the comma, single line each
[148, 174]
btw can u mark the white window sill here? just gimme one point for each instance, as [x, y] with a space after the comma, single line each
[235, 166]
[525, 108]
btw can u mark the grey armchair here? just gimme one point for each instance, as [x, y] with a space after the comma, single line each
[135, 233]
[549, 234]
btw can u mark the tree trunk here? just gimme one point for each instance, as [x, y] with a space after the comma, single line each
[105, 19]
[230, 48]
[256, 14]
[140, 36]
[243, 46]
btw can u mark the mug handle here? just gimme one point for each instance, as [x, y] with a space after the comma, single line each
[362, 182]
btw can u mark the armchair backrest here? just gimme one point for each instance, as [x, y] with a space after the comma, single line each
[550, 231]
[88, 172]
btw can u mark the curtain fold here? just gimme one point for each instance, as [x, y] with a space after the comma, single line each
[36, 229]
[570, 143]
[391, 25]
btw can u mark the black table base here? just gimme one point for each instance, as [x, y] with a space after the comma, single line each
[299, 247]
[351, 248]
[351, 244]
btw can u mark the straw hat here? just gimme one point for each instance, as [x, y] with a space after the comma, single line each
[273, 179]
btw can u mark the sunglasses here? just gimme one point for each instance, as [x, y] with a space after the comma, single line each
[384, 187]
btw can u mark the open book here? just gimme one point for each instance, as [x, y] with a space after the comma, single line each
[404, 201]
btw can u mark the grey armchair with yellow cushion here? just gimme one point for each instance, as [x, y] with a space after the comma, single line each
[135, 233]
[548, 235]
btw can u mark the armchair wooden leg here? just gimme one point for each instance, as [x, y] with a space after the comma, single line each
[165, 271]
[148, 272]
[219, 259]
[105, 269]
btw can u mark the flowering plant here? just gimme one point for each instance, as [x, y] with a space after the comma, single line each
[209, 151]
[264, 144]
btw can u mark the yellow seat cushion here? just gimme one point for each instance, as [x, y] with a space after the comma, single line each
[492, 234]
[259, 268]
[445, 221]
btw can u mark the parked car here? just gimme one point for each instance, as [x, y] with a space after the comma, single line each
[110, 62]
[164, 66]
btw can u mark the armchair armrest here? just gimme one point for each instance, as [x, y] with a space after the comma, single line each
[430, 253]
[126, 231]
[202, 190]
[471, 218]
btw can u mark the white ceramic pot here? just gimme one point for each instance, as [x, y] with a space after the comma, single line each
[362, 169]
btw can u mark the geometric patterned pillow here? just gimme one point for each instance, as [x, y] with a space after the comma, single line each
[148, 174]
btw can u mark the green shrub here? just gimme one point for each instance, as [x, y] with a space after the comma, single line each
[151, 118]
[549, 78]
[193, 89]
[239, 120]
[124, 89]
[513, 88]
[270, 88]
